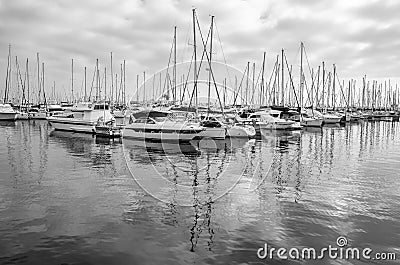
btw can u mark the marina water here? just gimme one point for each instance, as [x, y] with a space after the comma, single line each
[70, 198]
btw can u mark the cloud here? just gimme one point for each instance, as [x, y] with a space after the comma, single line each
[359, 36]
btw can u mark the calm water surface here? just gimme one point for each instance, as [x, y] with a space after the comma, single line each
[69, 198]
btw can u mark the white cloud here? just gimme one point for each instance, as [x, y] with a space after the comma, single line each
[361, 37]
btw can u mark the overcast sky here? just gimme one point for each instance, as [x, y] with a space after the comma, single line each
[360, 37]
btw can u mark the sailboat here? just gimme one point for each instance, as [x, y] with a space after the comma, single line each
[308, 117]
[6, 110]
[39, 111]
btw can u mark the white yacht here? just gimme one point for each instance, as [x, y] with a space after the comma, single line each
[81, 121]
[213, 128]
[240, 131]
[55, 109]
[326, 117]
[268, 119]
[38, 112]
[7, 112]
[158, 126]
[308, 119]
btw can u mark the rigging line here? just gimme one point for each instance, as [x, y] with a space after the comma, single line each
[240, 86]
[304, 76]
[209, 63]
[201, 60]
[187, 79]
[91, 86]
[169, 61]
[291, 80]
[269, 82]
[223, 54]
[186, 47]
[341, 89]
[255, 85]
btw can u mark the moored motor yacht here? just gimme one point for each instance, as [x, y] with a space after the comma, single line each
[81, 121]
[327, 118]
[268, 119]
[7, 112]
[158, 126]
[213, 128]
[240, 131]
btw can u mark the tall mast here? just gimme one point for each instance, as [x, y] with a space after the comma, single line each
[262, 80]
[112, 83]
[72, 79]
[137, 88]
[174, 69]
[247, 81]
[161, 90]
[195, 58]
[323, 84]
[317, 93]
[38, 76]
[8, 75]
[116, 90]
[333, 88]
[144, 86]
[27, 78]
[224, 91]
[154, 80]
[301, 75]
[312, 88]
[44, 90]
[105, 84]
[253, 86]
[209, 72]
[124, 99]
[283, 80]
[363, 93]
[97, 79]
[85, 86]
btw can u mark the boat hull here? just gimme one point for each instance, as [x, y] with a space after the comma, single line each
[331, 120]
[213, 133]
[72, 125]
[8, 116]
[132, 133]
[237, 131]
[311, 122]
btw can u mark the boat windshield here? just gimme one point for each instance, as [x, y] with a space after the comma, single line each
[160, 119]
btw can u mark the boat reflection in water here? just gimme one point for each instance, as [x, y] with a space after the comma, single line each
[195, 174]
[70, 197]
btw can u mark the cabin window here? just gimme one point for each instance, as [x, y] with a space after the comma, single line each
[139, 121]
[150, 121]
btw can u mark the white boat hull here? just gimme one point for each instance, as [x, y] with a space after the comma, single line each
[331, 120]
[8, 116]
[277, 125]
[238, 131]
[213, 133]
[72, 125]
[310, 122]
[133, 133]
